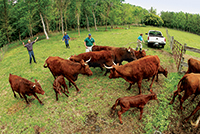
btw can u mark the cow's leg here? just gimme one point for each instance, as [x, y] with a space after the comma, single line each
[78, 91]
[183, 99]
[130, 84]
[195, 110]
[70, 85]
[141, 111]
[175, 94]
[25, 98]
[64, 92]
[157, 77]
[14, 93]
[107, 71]
[123, 110]
[153, 78]
[20, 95]
[65, 87]
[38, 99]
[101, 68]
[139, 86]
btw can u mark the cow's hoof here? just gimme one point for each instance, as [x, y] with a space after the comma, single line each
[121, 123]
[42, 104]
[79, 92]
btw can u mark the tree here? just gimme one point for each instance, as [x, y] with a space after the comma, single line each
[78, 11]
[152, 19]
[152, 11]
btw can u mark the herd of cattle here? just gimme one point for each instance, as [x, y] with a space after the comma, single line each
[140, 66]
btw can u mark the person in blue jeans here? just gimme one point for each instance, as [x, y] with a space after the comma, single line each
[29, 47]
[66, 38]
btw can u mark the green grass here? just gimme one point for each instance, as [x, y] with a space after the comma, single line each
[98, 93]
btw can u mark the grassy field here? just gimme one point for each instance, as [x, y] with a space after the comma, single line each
[89, 112]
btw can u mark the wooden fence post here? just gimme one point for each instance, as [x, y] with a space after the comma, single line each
[172, 42]
[184, 50]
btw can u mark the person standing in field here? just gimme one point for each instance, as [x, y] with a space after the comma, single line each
[139, 42]
[29, 47]
[89, 42]
[66, 38]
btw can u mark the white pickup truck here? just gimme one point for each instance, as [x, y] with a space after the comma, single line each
[155, 38]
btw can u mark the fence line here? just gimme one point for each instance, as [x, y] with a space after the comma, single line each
[178, 50]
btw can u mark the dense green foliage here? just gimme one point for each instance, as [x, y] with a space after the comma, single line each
[98, 92]
[152, 19]
[22, 19]
[182, 21]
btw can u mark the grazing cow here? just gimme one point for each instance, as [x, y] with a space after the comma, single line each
[137, 70]
[69, 69]
[138, 101]
[25, 87]
[161, 70]
[190, 83]
[193, 66]
[58, 82]
[196, 123]
[120, 53]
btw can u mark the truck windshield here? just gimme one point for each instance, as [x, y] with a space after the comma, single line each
[155, 33]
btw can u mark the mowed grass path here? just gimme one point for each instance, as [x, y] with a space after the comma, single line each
[98, 92]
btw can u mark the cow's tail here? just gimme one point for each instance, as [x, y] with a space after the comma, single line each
[45, 64]
[179, 85]
[116, 103]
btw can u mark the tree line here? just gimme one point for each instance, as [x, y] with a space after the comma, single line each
[20, 19]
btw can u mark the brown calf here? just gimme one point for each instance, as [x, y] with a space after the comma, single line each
[58, 82]
[25, 87]
[191, 84]
[138, 101]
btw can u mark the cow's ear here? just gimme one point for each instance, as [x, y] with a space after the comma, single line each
[35, 80]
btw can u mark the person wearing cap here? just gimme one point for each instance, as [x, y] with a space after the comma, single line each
[29, 47]
[139, 42]
[66, 38]
[89, 42]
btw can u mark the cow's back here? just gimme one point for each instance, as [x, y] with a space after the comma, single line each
[144, 67]
[193, 66]
[191, 82]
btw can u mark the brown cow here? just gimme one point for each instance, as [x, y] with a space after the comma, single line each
[138, 101]
[137, 70]
[69, 69]
[25, 87]
[190, 83]
[193, 66]
[120, 53]
[140, 54]
[58, 82]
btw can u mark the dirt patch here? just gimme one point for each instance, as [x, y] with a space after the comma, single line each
[187, 57]
[38, 130]
[91, 118]
[73, 38]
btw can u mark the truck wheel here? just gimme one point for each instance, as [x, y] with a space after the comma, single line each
[149, 45]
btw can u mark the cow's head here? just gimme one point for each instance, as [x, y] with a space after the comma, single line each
[130, 54]
[75, 58]
[165, 72]
[37, 88]
[85, 68]
[140, 54]
[154, 96]
[113, 71]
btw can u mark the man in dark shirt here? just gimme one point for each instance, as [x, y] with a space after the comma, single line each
[29, 47]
